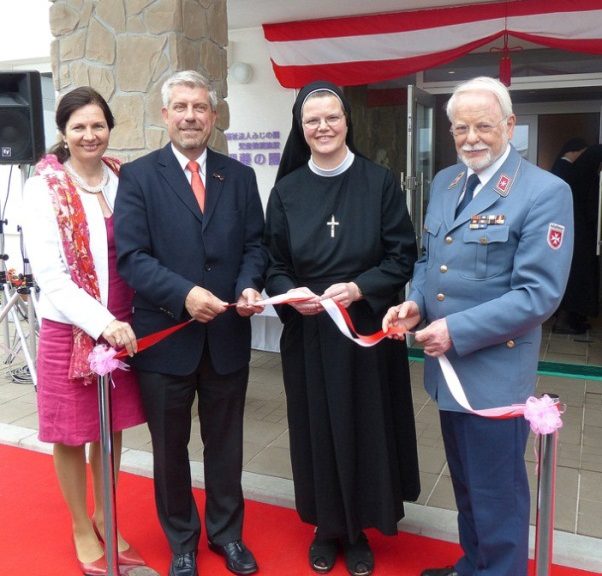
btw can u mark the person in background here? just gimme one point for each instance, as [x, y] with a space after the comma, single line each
[68, 232]
[189, 224]
[563, 166]
[497, 250]
[337, 227]
[579, 166]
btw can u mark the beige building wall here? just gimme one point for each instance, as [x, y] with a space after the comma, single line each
[125, 49]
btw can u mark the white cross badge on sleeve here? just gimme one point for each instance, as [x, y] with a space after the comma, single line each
[555, 235]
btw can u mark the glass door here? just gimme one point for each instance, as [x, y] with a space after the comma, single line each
[420, 155]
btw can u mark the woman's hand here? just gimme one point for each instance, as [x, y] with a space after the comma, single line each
[120, 335]
[344, 293]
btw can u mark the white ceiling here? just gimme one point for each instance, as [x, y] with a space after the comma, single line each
[253, 13]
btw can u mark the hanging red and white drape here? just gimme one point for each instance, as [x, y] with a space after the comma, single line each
[372, 48]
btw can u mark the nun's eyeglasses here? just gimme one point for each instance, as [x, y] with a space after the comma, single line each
[330, 121]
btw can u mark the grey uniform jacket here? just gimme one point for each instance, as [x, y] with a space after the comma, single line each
[496, 273]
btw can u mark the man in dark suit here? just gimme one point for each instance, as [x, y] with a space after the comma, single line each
[187, 255]
[496, 260]
[579, 165]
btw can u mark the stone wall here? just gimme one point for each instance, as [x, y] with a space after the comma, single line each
[125, 49]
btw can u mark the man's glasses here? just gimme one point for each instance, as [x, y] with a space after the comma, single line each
[331, 121]
[480, 128]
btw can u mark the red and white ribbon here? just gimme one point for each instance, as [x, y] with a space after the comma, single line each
[543, 413]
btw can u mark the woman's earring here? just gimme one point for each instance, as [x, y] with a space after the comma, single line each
[65, 145]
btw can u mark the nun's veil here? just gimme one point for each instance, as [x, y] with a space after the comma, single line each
[296, 152]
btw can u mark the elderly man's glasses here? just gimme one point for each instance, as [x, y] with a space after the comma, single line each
[480, 128]
[331, 121]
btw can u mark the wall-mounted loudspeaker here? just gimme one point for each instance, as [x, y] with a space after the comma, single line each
[21, 118]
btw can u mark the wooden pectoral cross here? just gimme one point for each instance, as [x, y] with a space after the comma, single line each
[332, 224]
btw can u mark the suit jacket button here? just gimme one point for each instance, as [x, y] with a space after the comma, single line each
[207, 267]
[440, 297]
[511, 343]
[443, 268]
[449, 239]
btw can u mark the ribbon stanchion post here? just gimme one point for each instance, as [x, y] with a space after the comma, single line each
[108, 475]
[546, 502]
[103, 361]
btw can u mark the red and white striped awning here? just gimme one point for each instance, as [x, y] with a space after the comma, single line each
[372, 48]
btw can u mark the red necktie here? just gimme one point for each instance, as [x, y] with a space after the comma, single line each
[197, 183]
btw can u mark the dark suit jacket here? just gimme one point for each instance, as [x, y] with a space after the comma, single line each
[165, 246]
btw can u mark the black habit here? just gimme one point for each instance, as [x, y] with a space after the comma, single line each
[350, 413]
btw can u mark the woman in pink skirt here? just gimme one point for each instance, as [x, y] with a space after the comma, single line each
[69, 238]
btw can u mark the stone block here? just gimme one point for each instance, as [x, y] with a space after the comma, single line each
[103, 80]
[78, 72]
[156, 138]
[218, 142]
[164, 16]
[137, 56]
[194, 20]
[128, 110]
[153, 105]
[135, 24]
[72, 46]
[136, 6]
[63, 19]
[214, 59]
[100, 43]
[223, 116]
[112, 14]
[218, 22]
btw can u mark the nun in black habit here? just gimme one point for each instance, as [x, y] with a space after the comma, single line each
[337, 226]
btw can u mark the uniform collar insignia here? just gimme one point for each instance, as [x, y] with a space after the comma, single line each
[503, 183]
[456, 180]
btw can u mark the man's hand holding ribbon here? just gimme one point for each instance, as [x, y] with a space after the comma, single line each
[435, 337]
[246, 303]
[202, 305]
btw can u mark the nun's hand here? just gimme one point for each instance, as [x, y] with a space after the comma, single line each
[307, 307]
[344, 293]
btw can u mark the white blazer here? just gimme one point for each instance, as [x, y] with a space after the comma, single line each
[60, 298]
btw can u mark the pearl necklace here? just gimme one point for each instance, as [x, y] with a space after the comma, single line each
[84, 186]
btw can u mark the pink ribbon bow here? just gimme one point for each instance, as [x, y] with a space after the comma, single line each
[103, 361]
[543, 414]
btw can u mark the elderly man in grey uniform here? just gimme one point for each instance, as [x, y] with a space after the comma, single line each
[497, 251]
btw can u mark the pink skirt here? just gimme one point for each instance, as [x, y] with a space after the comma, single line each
[68, 409]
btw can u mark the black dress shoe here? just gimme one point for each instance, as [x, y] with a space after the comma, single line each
[448, 571]
[183, 565]
[239, 559]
